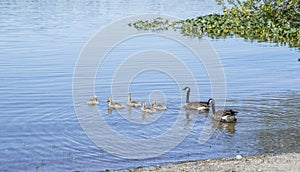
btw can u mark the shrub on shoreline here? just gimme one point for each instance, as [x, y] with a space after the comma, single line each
[265, 21]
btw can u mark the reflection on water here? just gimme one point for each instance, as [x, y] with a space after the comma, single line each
[229, 127]
[40, 42]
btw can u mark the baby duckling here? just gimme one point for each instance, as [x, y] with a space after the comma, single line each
[93, 101]
[114, 105]
[147, 109]
[132, 103]
[158, 106]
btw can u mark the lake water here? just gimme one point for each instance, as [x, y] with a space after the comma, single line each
[40, 43]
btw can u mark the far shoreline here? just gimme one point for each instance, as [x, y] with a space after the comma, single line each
[265, 162]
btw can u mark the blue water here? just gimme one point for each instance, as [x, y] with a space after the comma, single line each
[40, 43]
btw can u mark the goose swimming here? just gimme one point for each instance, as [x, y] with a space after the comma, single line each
[194, 105]
[132, 103]
[115, 105]
[147, 109]
[93, 101]
[158, 106]
[223, 115]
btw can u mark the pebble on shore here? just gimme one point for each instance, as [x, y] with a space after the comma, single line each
[238, 157]
[275, 162]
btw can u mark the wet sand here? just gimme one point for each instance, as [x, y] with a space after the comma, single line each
[278, 162]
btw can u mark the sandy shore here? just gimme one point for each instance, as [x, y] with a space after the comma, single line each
[281, 162]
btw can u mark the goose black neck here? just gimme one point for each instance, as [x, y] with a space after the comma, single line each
[208, 101]
[187, 100]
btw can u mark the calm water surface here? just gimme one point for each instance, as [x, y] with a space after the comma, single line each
[40, 43]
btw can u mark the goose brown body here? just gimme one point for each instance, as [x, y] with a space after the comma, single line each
[194, 105]
[223, 115]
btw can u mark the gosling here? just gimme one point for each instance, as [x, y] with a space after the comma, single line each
[114, 105]
[147, 109]
[132, 103]
[158, 106]
[93, 101]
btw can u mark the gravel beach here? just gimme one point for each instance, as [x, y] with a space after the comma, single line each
[272, 162]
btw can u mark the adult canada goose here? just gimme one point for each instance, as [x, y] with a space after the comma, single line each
[132, 103]
[158, 106]
[114, 105]
[223, 115]
[147, 109]
[93, 101]
[194, 105]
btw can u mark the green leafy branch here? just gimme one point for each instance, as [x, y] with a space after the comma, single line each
[262, 20]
